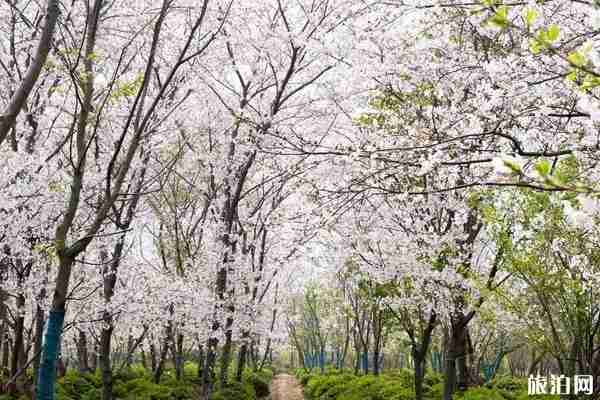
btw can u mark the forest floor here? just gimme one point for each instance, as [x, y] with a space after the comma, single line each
[286, 387]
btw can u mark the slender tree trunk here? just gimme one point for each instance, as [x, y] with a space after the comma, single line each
[105, 363]
[164, 351]
[419, 373]
[376, 357]
[82, 353]
[178, 357]
[19, 345]
[144, 360]
[200, 359]
[37, 346]
[19, 97]
[242, 362]
[129, 355]
[94, 358]
[208, 373]
[3, 325]
[6, 350]
[450, 375]
[153, 357]
[52, 338]
[225, 357]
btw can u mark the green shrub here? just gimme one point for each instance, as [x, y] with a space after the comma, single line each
[182, 392]
[94, 394]
[343, 386]
[525, 396]
[141, 389]
[190, 370]
[509, 387]
[135, 371]
[318, 385]
[235, 391]
[14, 397]
[479, 393]
[432, 379]
[304, 376]
[259, 380]
[74, 384]
[434, 392]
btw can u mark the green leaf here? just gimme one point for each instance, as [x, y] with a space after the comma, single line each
[530, 16]
[572, 76]
[553, 33]
[543, 167]
[535, 46]
[500, 18]
[590, 82]
[577, 59]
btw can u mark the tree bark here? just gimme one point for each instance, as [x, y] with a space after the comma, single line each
[456, 358]
[39, 336]
[19, 346]
[6, 349]
[208, 373]
[419, 353]
[200, 359]
[225, 357]
[19, 97]
[242, 362]
[105, 364]
[82, 353]
[178, 357]
[164, 351]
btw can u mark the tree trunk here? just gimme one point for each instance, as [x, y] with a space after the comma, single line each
[419, 373]
[94, 358]
[39, 336]
[241, 362]
[164, 351]
[178, 357]
[47, 376]
[225, 357]
[456, 358]
[105, 364]
[82, 353]
[6, 349]
[153, 362]
[144, 360]
[129, 355]
[208, 373]
[420, 355]
[19, 346]
[200, 359]
[22, 92]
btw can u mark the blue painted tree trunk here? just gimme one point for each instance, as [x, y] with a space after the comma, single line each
[47, 374]
[365, 361]
[322, 360]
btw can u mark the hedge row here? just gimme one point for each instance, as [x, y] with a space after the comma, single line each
[136, 384]
[399, 385]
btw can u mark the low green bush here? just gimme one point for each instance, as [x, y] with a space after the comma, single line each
[509, 387]
[304, 376]
[142, 389]
[399, 385]
[479, 393]
[260, 381]
[75, 384]
[190, 371]
[136, 383]
[235, 391]
[345, 386]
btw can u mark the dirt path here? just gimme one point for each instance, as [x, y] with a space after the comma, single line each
[286, 387]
